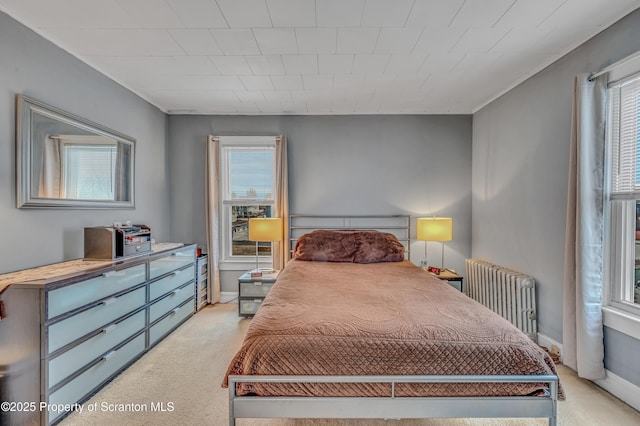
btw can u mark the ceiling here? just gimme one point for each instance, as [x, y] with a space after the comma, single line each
[318, 56]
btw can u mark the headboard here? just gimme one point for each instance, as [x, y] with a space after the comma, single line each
[398, 225]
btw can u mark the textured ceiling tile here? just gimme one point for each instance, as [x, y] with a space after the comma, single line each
[257, 82]
[312, 82]
[347, 81]
[339, 13]
[438, 40]
[196, 42]
[480, 39]
[245, 13]
[277, 96]
[198, 13]
[481, 13]
[151, 13]
[397, 40]
[529, 14]
[250, 96]
[316, 40]
[72, 14]
[231, 65]
[275, 41]
[433, 13]
[318, 56]
[99, 42]
[265, 65]
[287, 82]
[300, 64]
[236, 41]
[374, 64]
[405, 64]
[292, 13]
[384, 13]
[357, 40]
[335, 64]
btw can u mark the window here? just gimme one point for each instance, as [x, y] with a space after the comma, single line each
[248, 191]
[623, 140]
[88, 171]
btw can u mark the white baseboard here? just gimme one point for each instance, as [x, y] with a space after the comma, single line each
[228, 296]
[626, 391]
[548, 342]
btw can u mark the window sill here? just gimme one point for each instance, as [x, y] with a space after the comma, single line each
[621, 321]
[242, 265]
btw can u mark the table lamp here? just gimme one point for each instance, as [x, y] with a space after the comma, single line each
[434, 229]
[264, 229]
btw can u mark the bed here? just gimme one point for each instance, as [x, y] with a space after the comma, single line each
[352, 329]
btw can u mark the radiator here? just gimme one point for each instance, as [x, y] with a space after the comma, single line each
[506, 292]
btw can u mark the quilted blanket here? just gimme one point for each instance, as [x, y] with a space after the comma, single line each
[380, 319]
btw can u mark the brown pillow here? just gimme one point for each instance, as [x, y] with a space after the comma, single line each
[349, 246]
[374, 247]
[326, 246]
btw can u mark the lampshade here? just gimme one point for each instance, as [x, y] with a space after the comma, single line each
[434, 228]
[265, 229]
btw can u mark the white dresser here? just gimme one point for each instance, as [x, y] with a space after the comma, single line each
[65, 337]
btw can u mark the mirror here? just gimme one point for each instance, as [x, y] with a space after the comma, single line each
[64, 161]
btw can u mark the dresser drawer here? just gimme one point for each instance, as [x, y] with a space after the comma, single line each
[75, 358]
[175, 260]
[113, 361]
[169, 322]
[76, 326]
[255, 289]
[168, 303]
[249, 307]
[174, 280]
[74, 296]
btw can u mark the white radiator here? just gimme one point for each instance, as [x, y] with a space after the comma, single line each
[508, 293]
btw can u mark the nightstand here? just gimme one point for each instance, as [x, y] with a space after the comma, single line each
[450, 277]
[252, 291]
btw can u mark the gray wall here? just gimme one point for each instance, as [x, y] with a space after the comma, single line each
[418, 165]
[36, 68]
[520, 173]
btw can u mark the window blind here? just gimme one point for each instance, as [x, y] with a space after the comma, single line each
[89, 172]
[625, 138]
[250, 173]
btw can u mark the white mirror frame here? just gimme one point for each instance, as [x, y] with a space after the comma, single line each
[25, 108]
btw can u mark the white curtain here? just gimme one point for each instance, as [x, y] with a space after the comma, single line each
[213, 218]
[281, 253]
[583, 344]
[51, 170]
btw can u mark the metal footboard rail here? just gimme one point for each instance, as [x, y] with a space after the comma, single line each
[392, 406]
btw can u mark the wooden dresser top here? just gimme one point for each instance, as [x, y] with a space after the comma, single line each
[69, 268]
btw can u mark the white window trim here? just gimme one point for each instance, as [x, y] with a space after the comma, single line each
[617, 314]
[235, 263]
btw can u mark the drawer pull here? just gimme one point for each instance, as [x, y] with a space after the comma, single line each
[175, 311]
[174, 292]
[114, 274]
[110, 301]
[174, 274]
[257, 283]
[257, 300]
[108, 329]
[108, 356]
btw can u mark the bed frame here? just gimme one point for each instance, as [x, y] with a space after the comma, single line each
[391, 406]
[398, 225]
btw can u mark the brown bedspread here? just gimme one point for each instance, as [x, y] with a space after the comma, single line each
[380, 319]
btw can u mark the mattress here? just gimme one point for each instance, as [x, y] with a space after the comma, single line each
[391, 318]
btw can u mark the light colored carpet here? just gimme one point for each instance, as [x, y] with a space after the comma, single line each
[184, 372]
